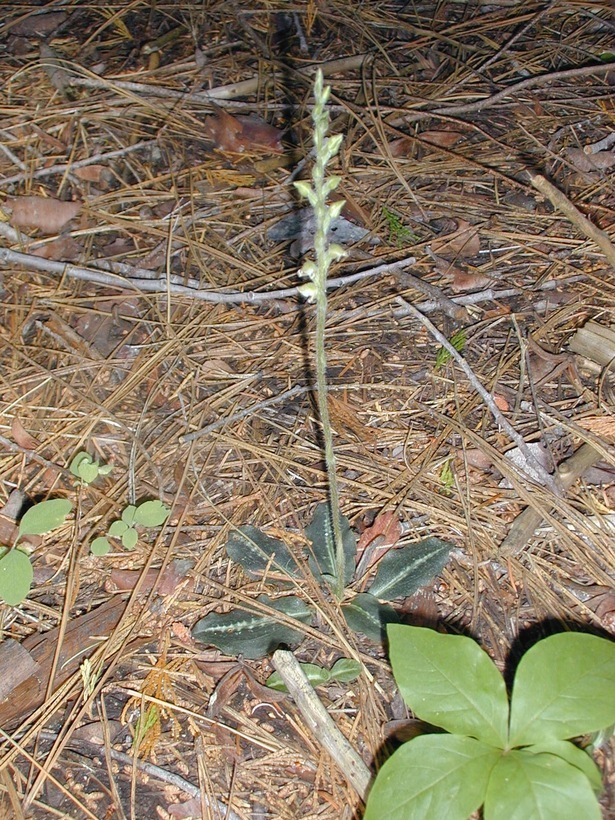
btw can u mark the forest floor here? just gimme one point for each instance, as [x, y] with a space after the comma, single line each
[150, 250]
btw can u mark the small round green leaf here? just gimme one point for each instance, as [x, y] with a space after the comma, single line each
[118, 528]
[16, 576]
[345, 670]
[130, 538]
[128, 515]
[100, 546]
[151, 514]
[88, 472]
[78, 461]
[44, 516]
[316, 675]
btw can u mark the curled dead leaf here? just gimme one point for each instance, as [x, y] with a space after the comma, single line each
[463, 280]
[64, 248]
[22, 437]
[241, 134]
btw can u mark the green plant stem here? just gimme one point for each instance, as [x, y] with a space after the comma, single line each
[323, 411]
[320, 280]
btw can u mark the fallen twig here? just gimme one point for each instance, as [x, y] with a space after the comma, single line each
[222, 92]
[488, 399]
[579, 220]
[162, 285]
[531, 82]
[319, 721]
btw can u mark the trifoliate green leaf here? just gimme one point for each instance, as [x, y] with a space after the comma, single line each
[128, 515]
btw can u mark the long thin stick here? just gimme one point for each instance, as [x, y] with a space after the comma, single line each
[530, 459]
[114, 280]
[319, 721]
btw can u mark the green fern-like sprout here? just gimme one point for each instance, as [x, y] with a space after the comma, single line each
[316, 290]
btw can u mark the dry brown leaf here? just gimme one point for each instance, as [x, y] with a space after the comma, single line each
[89, 173]
[22, 437]
[38, 24]
[476, 458]
[463, 280]
[600, 161]
[442, 139]
[345, 417]
[401, 147]
[500, 402]
[384, 533]
[464, 241]
[603, 426]
[45, 213]
[191, 808]
[241, 134]
[64, 248]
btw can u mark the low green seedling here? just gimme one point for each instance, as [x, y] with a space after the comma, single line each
[512, 757]
[458, 341]
[16, 573]
[253, 634]
[146, 514]
[399, 234]
[343, 670]
[87, 469]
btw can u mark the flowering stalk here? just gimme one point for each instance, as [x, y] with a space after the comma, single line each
[316, 194]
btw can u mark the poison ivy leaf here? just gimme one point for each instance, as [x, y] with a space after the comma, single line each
[402, 571]
[44, 516]
[526, 785]
[151, 514]
[100, 546]
[366, 614]
[16, 576]
[257, 552]
[130, 538]
[320, 532]
[573, 755]
[316, 675]
[118, 528]
[563, 687]
[448, 680]
[253, 634]
[433, 776]
[345, 670]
